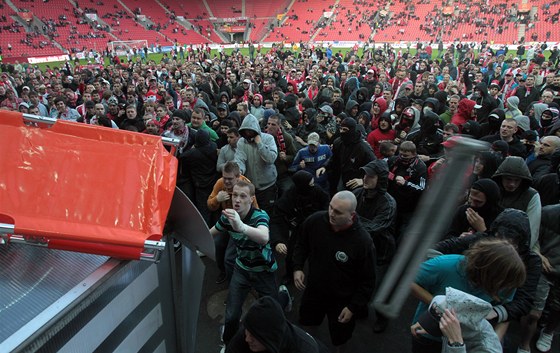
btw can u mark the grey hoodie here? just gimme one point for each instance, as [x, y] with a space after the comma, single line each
[256, 160]
[513, 107]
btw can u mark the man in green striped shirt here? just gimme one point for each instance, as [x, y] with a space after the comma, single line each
[255, 263]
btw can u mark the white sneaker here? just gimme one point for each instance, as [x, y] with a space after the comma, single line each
[544, 343]
[223, 349]
[284, 290]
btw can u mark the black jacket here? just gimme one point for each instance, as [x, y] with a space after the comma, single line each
[539, 166]
[293, 207]
[350, 153]
[514, 225]
[415, 174]
[341, 264]
[200, 162]
[377, 210]
[549, 238]
[265, 320]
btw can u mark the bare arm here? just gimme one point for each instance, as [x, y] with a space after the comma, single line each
[420, 293]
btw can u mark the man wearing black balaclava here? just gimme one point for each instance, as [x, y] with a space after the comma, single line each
[479, 212]
[350, 153]
[428, 138]
[302, 200]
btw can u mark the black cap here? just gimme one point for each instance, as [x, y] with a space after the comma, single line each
[222, 106]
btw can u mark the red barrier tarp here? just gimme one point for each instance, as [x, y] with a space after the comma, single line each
[86, 188]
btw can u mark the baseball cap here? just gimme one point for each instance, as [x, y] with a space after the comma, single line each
[313, 139]
[376, 167]
[370, 71]
[409, 86]
[25, 88]
[326, 109]
[247, 81]
[24, 104]
[222, 106]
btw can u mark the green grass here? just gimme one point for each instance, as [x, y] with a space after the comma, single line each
[244, 51]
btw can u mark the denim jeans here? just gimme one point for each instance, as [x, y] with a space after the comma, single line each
[241, 283]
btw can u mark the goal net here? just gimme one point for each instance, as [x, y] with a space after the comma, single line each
[122, 47]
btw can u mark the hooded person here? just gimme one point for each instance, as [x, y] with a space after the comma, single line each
[399, 106]
[309, 125]
[257, 108]
[408, 122]
[337, 106]
[199, 163]
[476, 333]
[523, 124]
[377, 209]
[350, 152]
[361, 95]
[266, 329]
[513, 107]
[472, 128]
[235, 118]
[548, 118]
[464, 112]
[486, 164]
[383, 133]
[352, 108]
[483, 201]
[514, 178]
[378, 108]
[534, 112]
[255, 154]
[441, 96]
[292, 208]
[428, 138]
[512, 225]
[291, 112]
[492, 126]
[483, 98]
[430, 104]
[352, 84]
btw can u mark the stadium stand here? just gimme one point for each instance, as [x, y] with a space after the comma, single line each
[63, 26]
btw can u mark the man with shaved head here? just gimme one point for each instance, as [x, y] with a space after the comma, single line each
[341, 276]
[540, 165]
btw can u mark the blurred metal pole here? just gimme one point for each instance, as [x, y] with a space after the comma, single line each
[433, 215]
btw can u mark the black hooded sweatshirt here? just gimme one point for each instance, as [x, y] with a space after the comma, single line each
[266, 322]
[377, 209]
[350, 153]
[200, 162]
[487, 102]
[488, 212]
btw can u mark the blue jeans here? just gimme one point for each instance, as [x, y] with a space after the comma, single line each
[241, 283]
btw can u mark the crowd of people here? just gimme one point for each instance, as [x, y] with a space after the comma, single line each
[320, 158]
